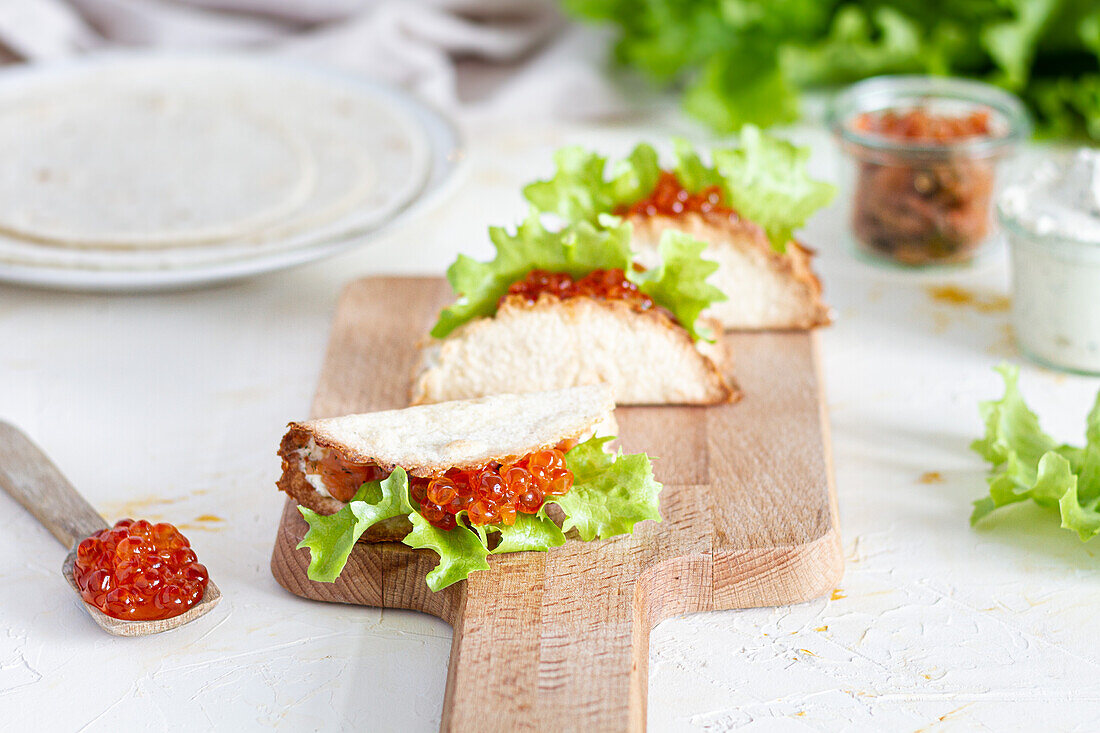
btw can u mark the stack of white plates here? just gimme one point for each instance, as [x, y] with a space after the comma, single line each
[139, 172]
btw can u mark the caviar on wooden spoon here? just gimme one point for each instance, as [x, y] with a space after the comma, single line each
[139, 571]
[135, 578]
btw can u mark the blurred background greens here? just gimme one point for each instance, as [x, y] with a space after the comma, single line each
[741, 61]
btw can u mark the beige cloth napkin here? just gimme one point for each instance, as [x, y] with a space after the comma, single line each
[491, 56]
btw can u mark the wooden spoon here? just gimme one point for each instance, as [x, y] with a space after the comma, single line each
[30, 476]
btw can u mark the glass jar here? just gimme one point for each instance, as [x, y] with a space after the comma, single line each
[1052, 223]
[918, 200]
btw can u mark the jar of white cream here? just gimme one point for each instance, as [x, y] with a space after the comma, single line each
[1052, 222]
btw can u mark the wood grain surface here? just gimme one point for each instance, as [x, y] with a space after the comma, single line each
[558, 641]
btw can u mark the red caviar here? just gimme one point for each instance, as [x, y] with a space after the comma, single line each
[920, 125]
[495, 493]
[670, 198]
[139, 571]
[604, 284]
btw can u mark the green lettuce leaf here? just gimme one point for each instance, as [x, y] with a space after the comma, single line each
[577, 250]
[767, 181]
[690, 170]
[579, 190]
[611, 492]
[863, 43]
[736, 88]
[331, 538]
[1011, 429]
[677, 284]
[1012, 43]
[746, 60]
[460, 551]
[530, 532]
[1027, 464]
[764, 178]
[610, 495]
[1067, 107]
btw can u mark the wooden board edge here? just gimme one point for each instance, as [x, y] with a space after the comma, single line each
[778, 576]
[789, 574]
[372, 572]
[738, 579]
[289, 567]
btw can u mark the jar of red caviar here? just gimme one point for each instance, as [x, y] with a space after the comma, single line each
[923, 155]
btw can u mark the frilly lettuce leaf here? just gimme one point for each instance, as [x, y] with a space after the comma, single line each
[734, 88]
[579, 190]
[1011, 429]
[763, 178]
[610, 494]
[577, 250]
[460, 551]
[692, 173]
[677, 284]
[767, 181]
[331, 538]
[1028, 464]
[530, 532]
[864, 42]
[1012, 43]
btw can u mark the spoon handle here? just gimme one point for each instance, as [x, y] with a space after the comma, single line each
[31, 477]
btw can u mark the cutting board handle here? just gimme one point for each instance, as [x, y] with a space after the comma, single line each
[536, 648]
[35, 482]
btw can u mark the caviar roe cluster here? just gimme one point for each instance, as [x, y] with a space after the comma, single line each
[491, 494]
[670, 198]
[139, 571]
[603, 284]
[495, 493]
[920, 125]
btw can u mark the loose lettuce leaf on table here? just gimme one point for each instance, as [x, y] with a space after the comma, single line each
[1029, 464]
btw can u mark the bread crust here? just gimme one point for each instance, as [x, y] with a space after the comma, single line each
[801, 298]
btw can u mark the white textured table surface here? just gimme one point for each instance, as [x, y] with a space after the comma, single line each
[171, 406]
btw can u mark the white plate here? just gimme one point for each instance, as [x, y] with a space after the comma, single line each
[430, 150]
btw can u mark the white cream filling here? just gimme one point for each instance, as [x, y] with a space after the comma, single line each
[311, 454]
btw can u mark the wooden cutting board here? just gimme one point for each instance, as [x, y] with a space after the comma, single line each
[559, 641]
